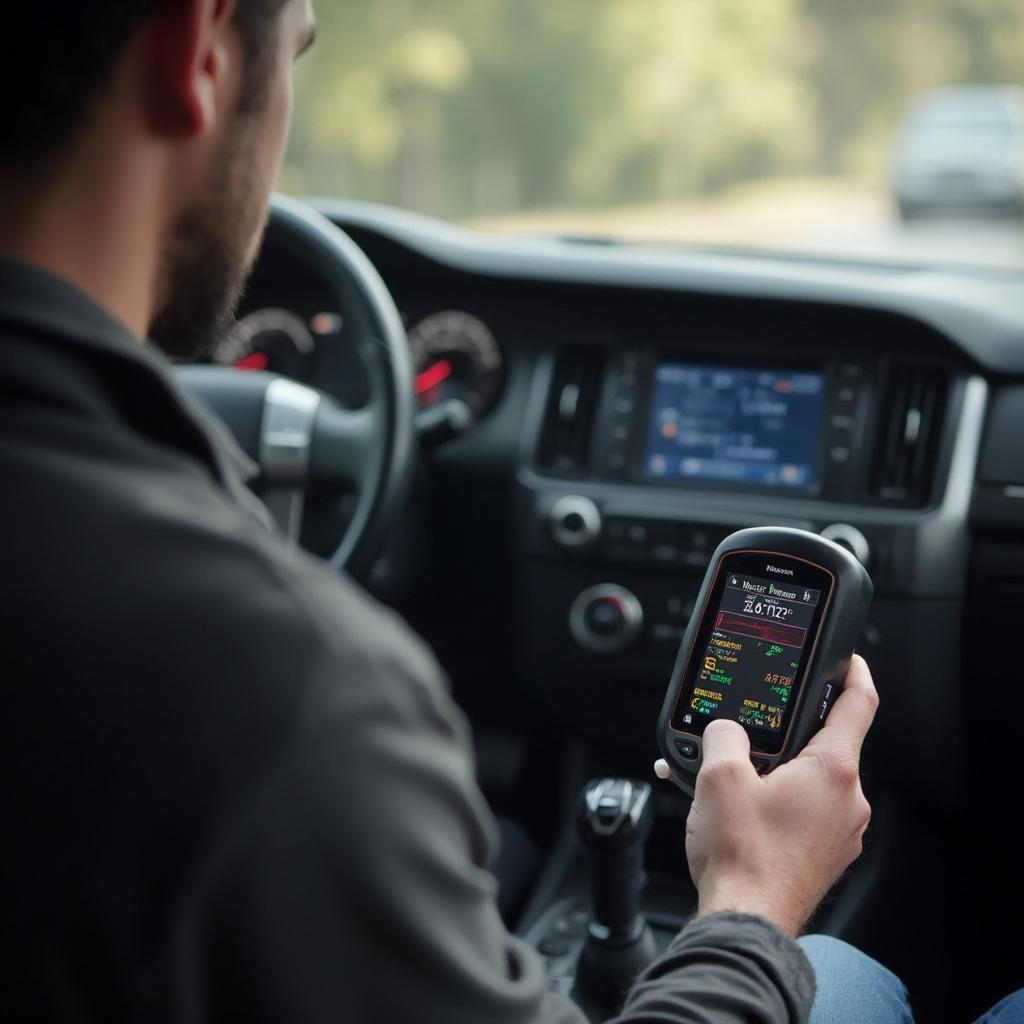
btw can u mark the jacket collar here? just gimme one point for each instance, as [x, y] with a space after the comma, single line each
[34, 298]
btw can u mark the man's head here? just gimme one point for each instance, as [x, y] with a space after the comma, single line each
[196, 94]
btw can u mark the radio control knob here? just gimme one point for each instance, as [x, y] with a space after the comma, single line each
[606, 618]
[851, 538]
[575, 521]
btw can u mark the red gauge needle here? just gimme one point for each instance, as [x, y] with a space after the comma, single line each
[256, 361]
[432, 376]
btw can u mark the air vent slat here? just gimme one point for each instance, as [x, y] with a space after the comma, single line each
[908, 432]
[575, 384]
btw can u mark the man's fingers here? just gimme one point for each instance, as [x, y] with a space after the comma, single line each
[726, 748]
[854, 711]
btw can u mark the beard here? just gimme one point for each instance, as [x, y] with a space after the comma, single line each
[209, 251]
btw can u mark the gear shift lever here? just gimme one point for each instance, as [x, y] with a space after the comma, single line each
[614, 818]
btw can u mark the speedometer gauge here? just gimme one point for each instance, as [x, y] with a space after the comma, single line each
[270, 339]
[455, 355]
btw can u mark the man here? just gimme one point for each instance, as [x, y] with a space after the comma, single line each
[234, 787]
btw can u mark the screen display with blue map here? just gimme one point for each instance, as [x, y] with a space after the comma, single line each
[735, 425]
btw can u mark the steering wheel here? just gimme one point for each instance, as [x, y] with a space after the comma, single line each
[301, 438]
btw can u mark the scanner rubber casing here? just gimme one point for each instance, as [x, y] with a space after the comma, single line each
[838, 633]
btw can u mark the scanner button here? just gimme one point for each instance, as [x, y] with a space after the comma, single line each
[687, 749]
[826, 699]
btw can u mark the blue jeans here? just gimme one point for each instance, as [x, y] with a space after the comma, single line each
[854, 989]
[1009, 1011]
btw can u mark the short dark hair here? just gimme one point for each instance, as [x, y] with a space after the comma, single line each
[57, 55]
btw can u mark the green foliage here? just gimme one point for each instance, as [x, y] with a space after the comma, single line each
[470, 107]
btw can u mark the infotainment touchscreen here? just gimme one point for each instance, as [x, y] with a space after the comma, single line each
[735, 425]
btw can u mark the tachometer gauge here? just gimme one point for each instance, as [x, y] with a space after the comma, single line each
[455, 355]
[270, 339]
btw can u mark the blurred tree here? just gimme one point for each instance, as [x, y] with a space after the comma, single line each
[871, 58]
[699, 94]
[462, 107]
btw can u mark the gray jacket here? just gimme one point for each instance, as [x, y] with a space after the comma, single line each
[235, 787]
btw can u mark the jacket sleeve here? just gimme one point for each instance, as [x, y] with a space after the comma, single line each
[725, 969]
[354, 887]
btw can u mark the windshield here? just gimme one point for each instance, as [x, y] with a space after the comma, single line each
[783, 125]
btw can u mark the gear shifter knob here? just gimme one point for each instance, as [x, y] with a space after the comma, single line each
[614, 813]
[614, 818]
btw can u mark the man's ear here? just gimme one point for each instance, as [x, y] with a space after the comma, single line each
[192, 50]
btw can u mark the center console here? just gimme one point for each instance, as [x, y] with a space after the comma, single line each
[637, 461]
[662, 421]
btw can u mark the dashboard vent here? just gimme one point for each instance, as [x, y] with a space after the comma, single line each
[565, 438]
[908, 432]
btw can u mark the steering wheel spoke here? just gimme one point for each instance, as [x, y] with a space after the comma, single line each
[300, 437]
[343, 441]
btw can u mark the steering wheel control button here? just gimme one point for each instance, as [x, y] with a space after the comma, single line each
[575, 521]
[605, 618]
[851, 538]
[687, 749]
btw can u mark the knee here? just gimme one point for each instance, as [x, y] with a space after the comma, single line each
[851, 986]
[833, 956]
[1009, 1011]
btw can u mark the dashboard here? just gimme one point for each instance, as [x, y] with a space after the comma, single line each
[454, 353]
[632, 407]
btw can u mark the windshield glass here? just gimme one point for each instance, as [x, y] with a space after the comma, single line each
[828, 127]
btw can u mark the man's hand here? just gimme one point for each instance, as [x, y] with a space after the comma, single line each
[774, 845]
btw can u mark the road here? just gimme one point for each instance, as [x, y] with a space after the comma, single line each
[822, 217]
[981, 243]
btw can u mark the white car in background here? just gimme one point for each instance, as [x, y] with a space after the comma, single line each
[961, 149]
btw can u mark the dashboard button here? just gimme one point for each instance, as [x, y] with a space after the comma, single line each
[667, 632]
[623, 553]
[615, 529]
[575, 521]
[606, 618]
